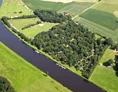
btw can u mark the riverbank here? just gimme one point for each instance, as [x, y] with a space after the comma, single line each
[25, 80]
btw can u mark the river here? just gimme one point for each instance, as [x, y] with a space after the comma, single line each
[63, 76]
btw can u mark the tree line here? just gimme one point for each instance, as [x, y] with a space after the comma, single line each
[51, 16]
[5, 21]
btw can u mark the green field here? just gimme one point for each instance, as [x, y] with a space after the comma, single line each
[104, 14]
[23, 76]
[20, 23]
[76, 8]
[93, 27]
[32, 32]
[72, 8]
[105, 77]
[102, 18]
[12, 8]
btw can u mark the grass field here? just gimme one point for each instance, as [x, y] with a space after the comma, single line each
[105, 77]
[31, 32]
[12, 8]
[104, 14]
[20, 23]
[94, 27]
[76, 8]
[23, 76]
[72, 8]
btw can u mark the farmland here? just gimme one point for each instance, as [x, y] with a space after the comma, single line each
[30, 79]
[102, 15]
[106, 79]
[73, 8]
[94, 27]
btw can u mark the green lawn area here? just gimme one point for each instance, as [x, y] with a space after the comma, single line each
[23, 76]
[94, 27]
[105, 77]
[20, 23]
[32, 32]
[12, 8]
[104, 14]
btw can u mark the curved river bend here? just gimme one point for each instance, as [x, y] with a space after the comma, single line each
[65, 77]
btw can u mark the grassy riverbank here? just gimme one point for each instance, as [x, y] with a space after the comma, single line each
[105, 77]
[23, 76]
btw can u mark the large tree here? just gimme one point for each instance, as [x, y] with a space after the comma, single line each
[5, 85]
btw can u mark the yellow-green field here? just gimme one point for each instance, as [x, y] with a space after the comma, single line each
[105, 77]
[20, 23]
[23, 76]
[33, 31]
[11, 8]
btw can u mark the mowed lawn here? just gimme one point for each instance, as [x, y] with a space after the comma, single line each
[23, 76]
[11, 8]
[105, 77]
[104, 14]
[96, 28]
[33, 31]
[20, 23]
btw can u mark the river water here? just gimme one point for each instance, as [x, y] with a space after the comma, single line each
[64, 76]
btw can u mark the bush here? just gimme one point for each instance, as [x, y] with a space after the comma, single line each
[108, 63]
[5, 85]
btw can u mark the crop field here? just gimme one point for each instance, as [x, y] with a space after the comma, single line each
[11, 8]
[106, 79]
[94, 27]
[76, 9]
[33, 31]
[23, 76]
[104, 14]
[72, 8]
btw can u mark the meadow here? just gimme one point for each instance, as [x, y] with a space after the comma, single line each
[106, 79]
[23, 76]
[31, 32]
[11, 8]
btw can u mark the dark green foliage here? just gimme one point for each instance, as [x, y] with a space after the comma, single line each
[5, 85]
[25, 16]
[108, 63]
[109, 41]
[5, 20]
[51, 16]
[73, 45]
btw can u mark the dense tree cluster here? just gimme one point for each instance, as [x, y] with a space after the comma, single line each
[72, 44]
[51, 16]
[5, 85]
